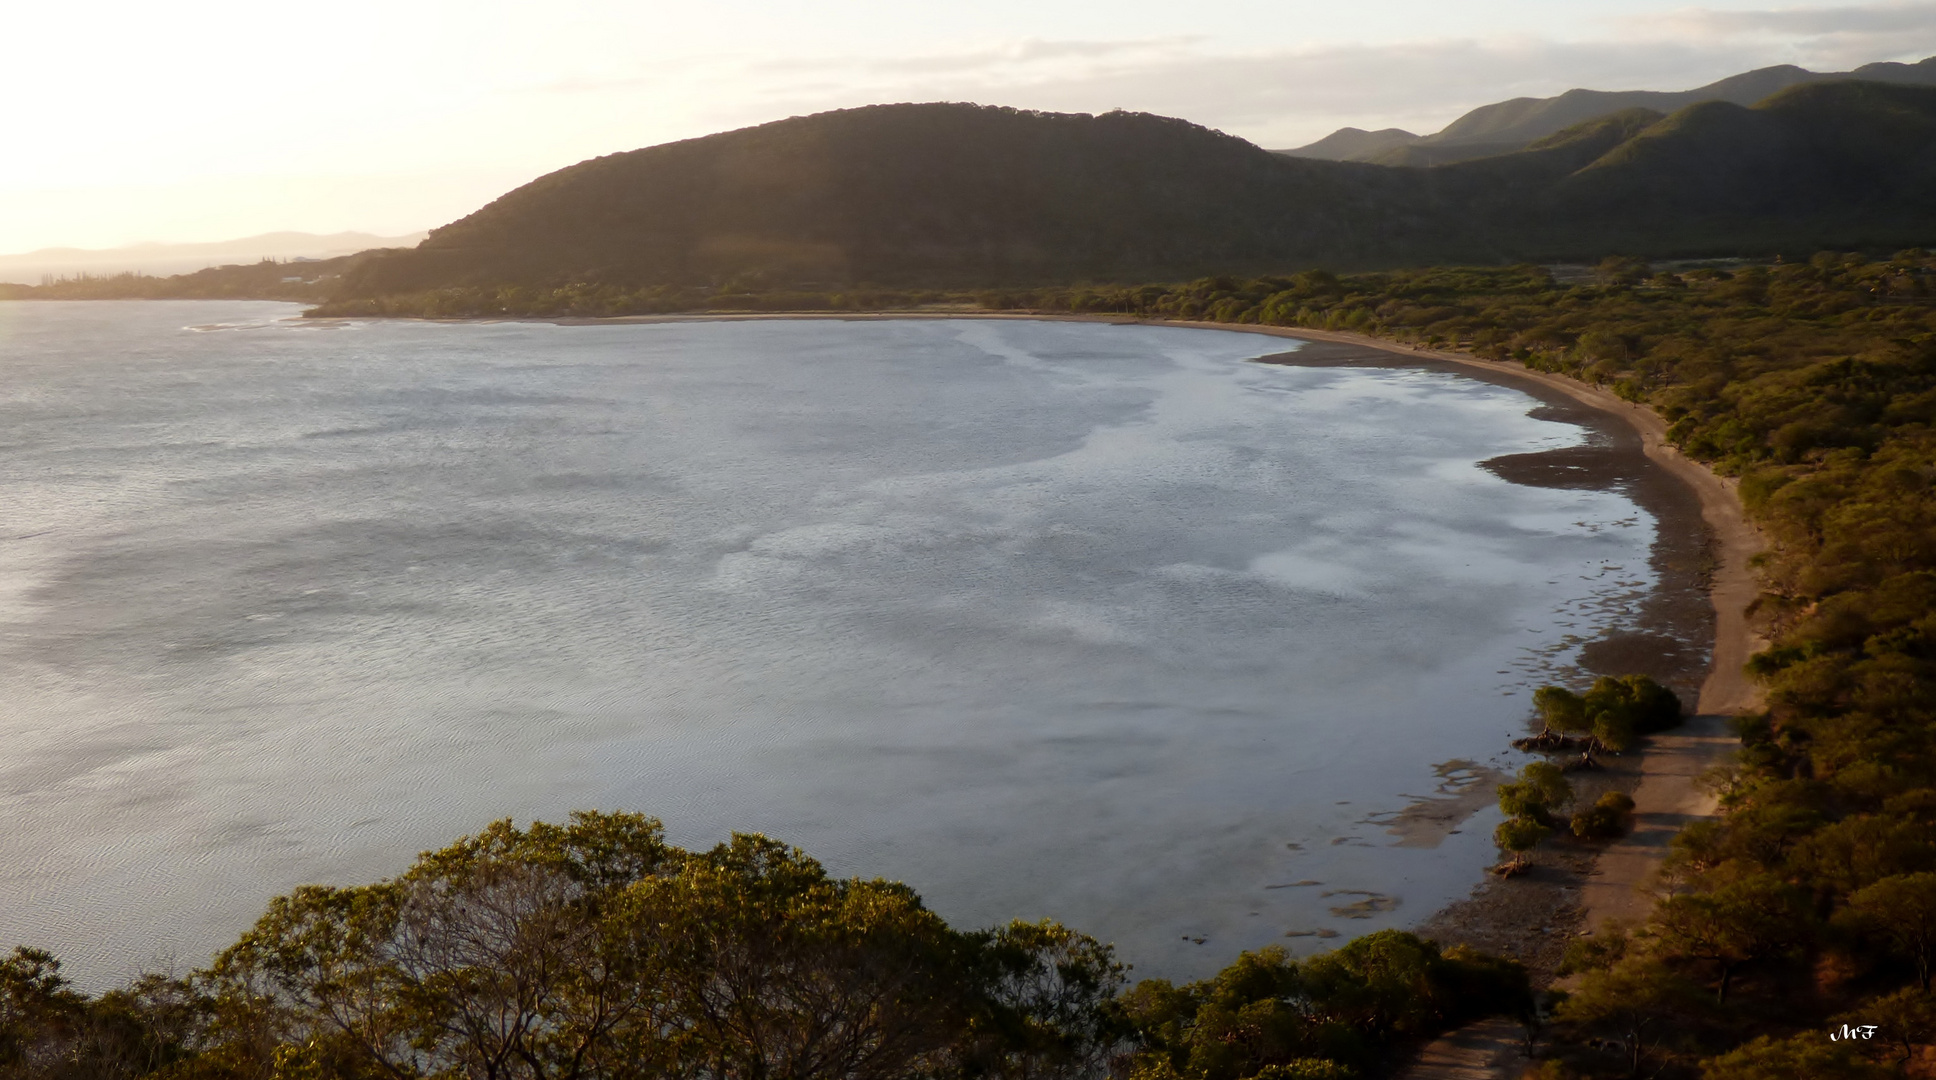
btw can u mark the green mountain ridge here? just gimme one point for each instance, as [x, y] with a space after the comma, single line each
[951, 195]
[1830, 164]
[1506, 126]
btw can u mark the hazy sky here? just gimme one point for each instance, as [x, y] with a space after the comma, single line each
[211, 119]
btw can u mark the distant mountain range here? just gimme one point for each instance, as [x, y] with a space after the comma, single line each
[962, 196]
[1506, 126]
[967, 196]
[160, 259]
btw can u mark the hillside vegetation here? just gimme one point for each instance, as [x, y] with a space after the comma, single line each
[940, 196]
[1506, 126]
[903, 194]
[913, 198]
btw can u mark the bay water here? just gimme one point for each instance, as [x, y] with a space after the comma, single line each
[1099, 623]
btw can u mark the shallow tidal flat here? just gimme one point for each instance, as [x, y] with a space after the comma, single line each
[1099, 623]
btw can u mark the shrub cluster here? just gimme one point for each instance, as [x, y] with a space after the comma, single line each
[1336, 1015]
[1610, 816]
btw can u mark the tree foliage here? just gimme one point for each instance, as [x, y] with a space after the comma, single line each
[1614, 712]
[1755, 918]
[1610, 816]
[1267, 1016]
[953, 195]
[591, 949]
[594, 950]
[1900, 913]
[1812, 1056]
[1520, 835]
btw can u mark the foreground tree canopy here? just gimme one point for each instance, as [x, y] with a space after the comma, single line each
[596, 949]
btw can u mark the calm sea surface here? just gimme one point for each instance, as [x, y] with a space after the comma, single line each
[1098, 623]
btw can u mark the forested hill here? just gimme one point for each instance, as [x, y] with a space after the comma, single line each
[1505, 126]
[895, 193]
[966, 195]
[953, 196]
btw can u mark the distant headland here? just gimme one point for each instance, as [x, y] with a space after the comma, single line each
[960, 196]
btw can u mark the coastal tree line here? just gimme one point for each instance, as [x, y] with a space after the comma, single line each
[594, 949]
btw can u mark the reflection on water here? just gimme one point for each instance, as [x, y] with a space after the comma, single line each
[1083, 621]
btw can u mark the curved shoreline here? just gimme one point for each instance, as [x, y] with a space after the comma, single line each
[1726, 690]
[1667, 795]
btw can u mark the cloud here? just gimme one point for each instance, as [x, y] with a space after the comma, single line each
[1275, 97]
[1799, 22]
[1289, 96]
[1818, 37]
[1008, 59]
[1021, 54]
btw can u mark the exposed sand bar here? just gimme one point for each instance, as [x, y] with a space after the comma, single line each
[1726, 690]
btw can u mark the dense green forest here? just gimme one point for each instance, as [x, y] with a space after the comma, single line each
[1505, 126]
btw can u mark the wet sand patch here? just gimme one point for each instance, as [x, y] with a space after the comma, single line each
[1374, 903]
[1635, 653]
[1465, 788]
[1591, 468]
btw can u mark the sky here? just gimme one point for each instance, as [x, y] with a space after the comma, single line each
[202, 120]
